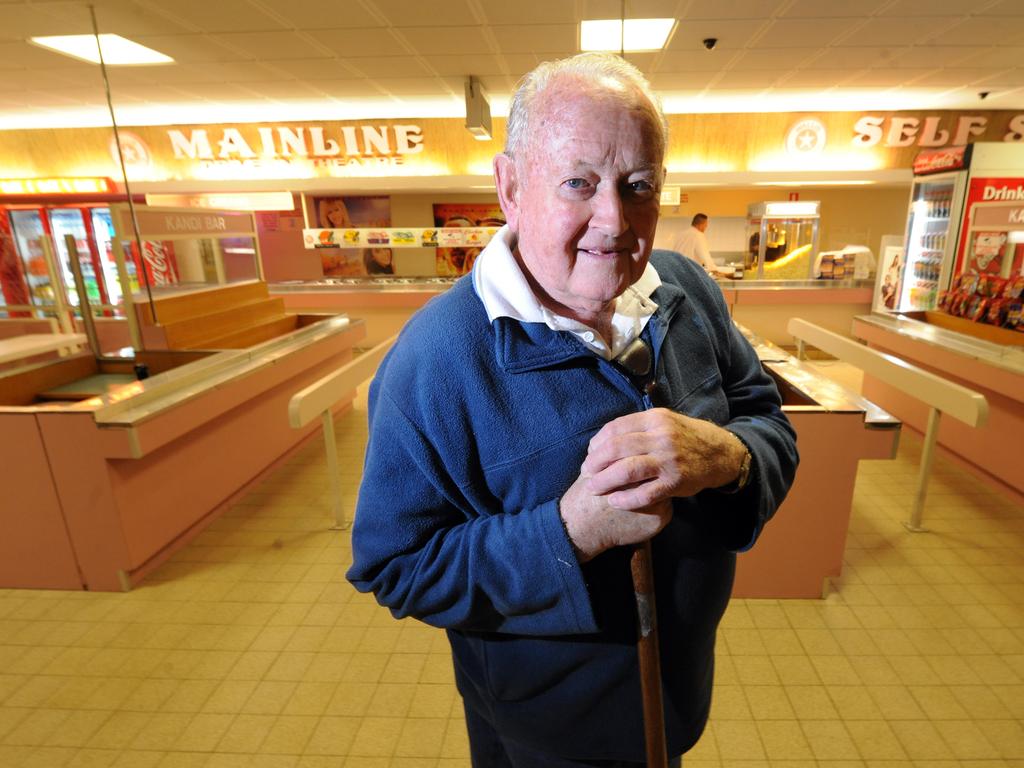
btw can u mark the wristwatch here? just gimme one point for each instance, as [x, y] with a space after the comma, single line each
[743, 478]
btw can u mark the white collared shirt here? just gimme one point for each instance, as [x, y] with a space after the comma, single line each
[505, 292]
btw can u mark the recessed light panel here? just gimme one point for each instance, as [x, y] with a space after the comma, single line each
[639, 35]
[117, 50]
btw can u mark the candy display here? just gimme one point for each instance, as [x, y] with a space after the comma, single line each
[985, 299]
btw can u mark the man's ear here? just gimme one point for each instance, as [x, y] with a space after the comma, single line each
[506, 180]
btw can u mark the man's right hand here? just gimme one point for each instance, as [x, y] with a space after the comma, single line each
[594, 525]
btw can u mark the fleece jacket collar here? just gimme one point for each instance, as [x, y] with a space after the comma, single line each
[520, 347]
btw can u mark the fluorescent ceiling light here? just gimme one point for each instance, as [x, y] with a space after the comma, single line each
[640, 34]
[117, 50]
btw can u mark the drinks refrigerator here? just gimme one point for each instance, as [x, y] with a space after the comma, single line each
[92, 231]
[946, 183]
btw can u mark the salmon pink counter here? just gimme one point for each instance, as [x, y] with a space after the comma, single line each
[101, 490]
[994, 370]
[766, 306]
[801, 549]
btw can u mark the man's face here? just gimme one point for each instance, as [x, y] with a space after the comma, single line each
[583, 199]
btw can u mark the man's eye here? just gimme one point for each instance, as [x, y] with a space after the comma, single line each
[641, 187]
[576, 183]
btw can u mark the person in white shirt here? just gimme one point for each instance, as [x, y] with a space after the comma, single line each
[694, 243]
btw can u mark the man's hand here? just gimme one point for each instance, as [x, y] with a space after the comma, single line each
[652, 456]
[594, 525]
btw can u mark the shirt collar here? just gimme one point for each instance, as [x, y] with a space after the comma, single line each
[505, 292]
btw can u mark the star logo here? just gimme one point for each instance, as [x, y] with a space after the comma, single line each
[806, 137]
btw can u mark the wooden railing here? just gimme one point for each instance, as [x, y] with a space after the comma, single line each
[940, 395]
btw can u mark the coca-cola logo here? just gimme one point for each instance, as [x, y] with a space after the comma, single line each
[939, 160]
[159, 266]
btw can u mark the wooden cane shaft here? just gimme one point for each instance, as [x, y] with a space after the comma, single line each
[647, 651]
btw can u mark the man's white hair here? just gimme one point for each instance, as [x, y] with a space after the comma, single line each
[605, 72]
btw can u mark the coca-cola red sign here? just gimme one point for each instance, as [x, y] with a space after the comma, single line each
[941, 160]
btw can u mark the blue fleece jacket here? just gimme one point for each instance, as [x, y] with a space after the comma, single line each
[476, 431]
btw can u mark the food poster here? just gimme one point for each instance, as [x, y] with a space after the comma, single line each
[456, 261]
[356, 259]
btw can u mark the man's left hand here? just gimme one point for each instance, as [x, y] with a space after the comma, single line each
[646, 457]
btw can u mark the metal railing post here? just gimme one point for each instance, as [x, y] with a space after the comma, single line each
[331, 447]
[924, 471]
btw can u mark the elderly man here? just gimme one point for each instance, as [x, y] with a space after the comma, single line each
[566, 399]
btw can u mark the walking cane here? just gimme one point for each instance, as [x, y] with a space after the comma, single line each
[647, 650]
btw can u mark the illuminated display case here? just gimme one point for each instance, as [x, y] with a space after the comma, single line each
[782, 240]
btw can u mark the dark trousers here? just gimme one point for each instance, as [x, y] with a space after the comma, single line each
[488, 750]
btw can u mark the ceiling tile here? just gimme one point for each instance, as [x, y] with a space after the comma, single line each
[320, 14]
[219, 16]
[416, 13]
[899, 31]
[151, 93]
[1004, 8]
[389, 66]
[983, 32]
[413, 86]
[774, 58]
[537, 38]
[272, 45]
[357, 42]
[731, 34]
[285, 89]
[192, 48]
[22, 54]
[934, 56]
[674, 81]
[313, 69]
[219, 91]
[18, 22]
[997, 58]
[498, 84]
[51, 99]
[612, 9]
[122, 18]
[811, 9]
[816, 78]
[885, 77]
[790, 33]
[691, 61]
[441, 40]
[749, 78]
[340, 88]
[853, 58]
[969, 77]
[930, 8]
[1011, 78]
[520, 63]
[466, 65]
[537, 11]
[732, 9]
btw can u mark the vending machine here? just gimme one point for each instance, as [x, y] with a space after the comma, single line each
[947, 184]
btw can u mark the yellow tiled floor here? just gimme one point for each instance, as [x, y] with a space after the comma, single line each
[249, 650]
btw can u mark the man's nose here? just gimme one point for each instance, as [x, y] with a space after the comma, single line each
[608, 212]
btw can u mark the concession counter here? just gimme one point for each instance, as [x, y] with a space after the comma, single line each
[106, 473]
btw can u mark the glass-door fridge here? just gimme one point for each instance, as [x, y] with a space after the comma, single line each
[947, 183]
[933, 223]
